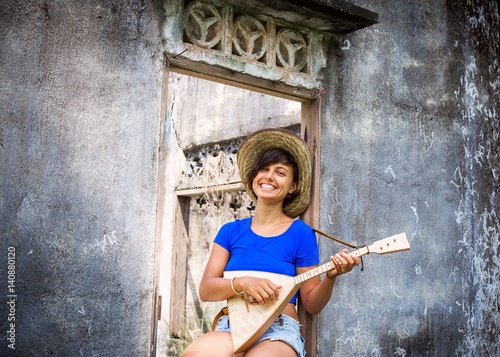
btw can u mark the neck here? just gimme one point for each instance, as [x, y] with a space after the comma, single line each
[301, 278]
[268, 215]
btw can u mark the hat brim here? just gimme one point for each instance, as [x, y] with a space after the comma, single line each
[255, 144]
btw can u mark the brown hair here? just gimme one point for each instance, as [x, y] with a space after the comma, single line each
[275, 156]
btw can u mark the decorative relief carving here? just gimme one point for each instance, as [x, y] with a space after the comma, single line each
[203, 24]
[291, 49]
[252, 39]
[249, 37]
[211, 164]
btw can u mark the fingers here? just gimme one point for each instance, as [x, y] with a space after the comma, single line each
[268, 292]
[346, 261]
[266, 295]
[262, 290]
[336, 264]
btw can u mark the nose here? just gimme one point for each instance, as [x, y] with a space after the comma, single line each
[269, 174]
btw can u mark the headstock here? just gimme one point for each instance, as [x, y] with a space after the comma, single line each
[396, 243]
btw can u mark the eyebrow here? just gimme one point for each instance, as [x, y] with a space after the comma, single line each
[282, 166]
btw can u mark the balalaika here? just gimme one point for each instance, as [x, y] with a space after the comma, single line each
[249, 322]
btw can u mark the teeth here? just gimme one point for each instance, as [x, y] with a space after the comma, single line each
[266, 186]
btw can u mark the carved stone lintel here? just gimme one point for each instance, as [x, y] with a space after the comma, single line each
[253, 38]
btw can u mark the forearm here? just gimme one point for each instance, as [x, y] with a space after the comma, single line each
[318, 297]
[215, 289]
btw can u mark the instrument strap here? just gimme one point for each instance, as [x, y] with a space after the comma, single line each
[222, 312]
[344, 243]
[335, 239]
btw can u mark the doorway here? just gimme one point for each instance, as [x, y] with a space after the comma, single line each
[204, 123]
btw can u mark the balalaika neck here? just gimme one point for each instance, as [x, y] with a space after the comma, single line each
[301, 278]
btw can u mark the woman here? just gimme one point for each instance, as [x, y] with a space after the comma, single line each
[275, 168]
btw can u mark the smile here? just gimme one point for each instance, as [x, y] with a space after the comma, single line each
[266, 186]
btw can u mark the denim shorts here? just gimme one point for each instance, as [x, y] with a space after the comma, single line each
[284, 328]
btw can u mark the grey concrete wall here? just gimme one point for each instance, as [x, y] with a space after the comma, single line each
[409, 143]
[79, 130]
[410, 134]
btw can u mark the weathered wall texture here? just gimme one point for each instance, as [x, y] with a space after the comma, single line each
[220, 112]
[410, 133]
[79, 128]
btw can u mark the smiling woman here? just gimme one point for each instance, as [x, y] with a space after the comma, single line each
[271, 146]
[275, 174]
[275, 168]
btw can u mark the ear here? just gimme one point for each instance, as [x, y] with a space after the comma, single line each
[293, 188]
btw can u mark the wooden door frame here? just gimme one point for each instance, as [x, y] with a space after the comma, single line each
[310, 132]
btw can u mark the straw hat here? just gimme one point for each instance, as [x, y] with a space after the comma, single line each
[255, 144]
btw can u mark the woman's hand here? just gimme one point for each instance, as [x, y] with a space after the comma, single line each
[343, 263]
[262, 290]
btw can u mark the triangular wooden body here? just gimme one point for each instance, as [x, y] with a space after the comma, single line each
[245, 330]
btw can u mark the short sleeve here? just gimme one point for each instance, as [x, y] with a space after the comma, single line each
[308, 251]
[223, 236]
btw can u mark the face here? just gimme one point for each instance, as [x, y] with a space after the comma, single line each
[274, 182]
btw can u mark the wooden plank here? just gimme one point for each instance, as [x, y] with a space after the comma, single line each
[231, 187]
[310, 131]
[180, 244]
[201, 70]
[160, 204]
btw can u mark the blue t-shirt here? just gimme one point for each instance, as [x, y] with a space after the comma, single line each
[296, 247]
